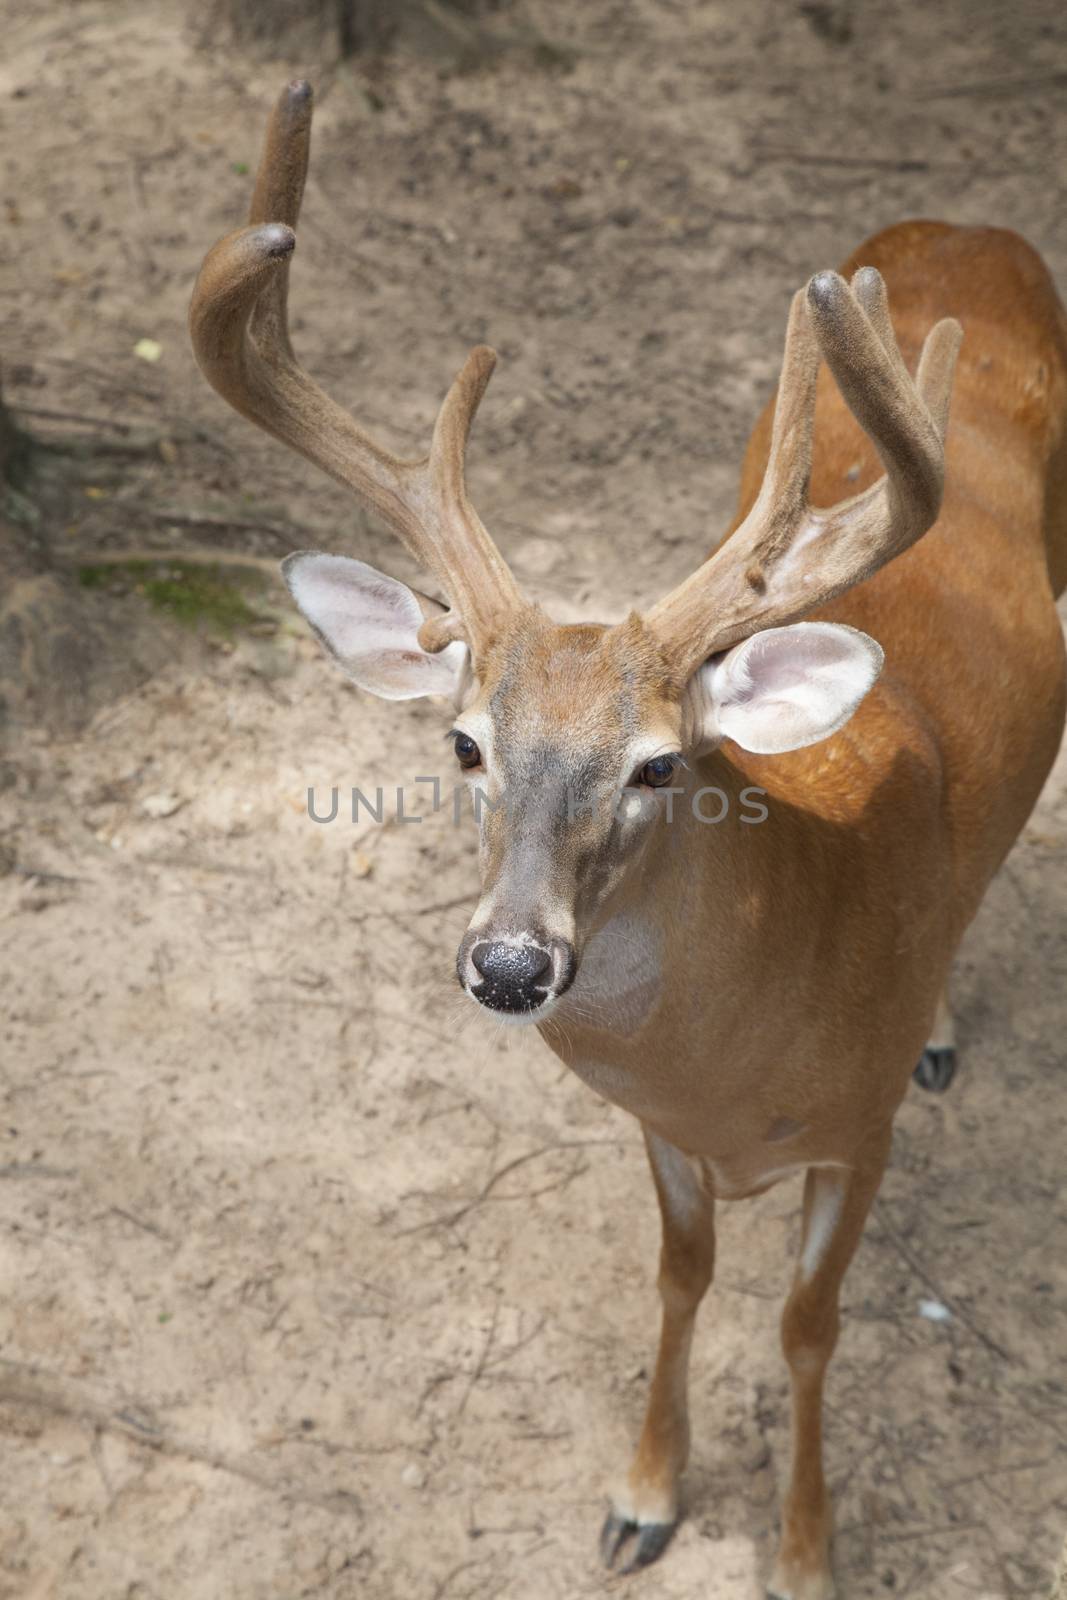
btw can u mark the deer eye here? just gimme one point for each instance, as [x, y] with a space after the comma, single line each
[467, 753]
[654, 774]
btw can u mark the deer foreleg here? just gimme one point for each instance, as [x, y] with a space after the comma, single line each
[836, 1203]
[646, 1506]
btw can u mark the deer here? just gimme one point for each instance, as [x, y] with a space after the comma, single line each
[873, 647]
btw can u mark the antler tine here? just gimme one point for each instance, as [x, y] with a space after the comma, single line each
[788, 557]
[277, 196]
[725, 599]
[937, 364]
[885, 403]
[240, 336]
[783, 495]
[284, 163]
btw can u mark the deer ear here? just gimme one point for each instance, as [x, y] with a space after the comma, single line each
[370, 624]
[786, 687]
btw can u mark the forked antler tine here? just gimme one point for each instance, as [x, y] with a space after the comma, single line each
[787, 558]
[880, 394]
[240, 336]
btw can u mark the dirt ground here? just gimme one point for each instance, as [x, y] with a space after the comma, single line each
[313, 1283]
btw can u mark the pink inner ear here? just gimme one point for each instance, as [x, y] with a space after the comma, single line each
[771, 677]
[789, 658]
[794, 686]
[782, 659]
[371, 623]
[355, 608]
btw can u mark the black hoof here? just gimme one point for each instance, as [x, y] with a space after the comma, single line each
[936, 1069]
[652, 1539]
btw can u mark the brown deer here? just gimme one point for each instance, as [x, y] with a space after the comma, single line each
[757, 996]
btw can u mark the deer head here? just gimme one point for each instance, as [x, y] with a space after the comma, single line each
[556, 722]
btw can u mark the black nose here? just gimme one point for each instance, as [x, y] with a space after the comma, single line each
[511, 973]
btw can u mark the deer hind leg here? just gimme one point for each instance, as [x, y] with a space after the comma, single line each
[836, 1203]
[645, 1508]
[937, 1064]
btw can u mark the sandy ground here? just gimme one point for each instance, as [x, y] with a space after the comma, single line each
[313, 1283]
